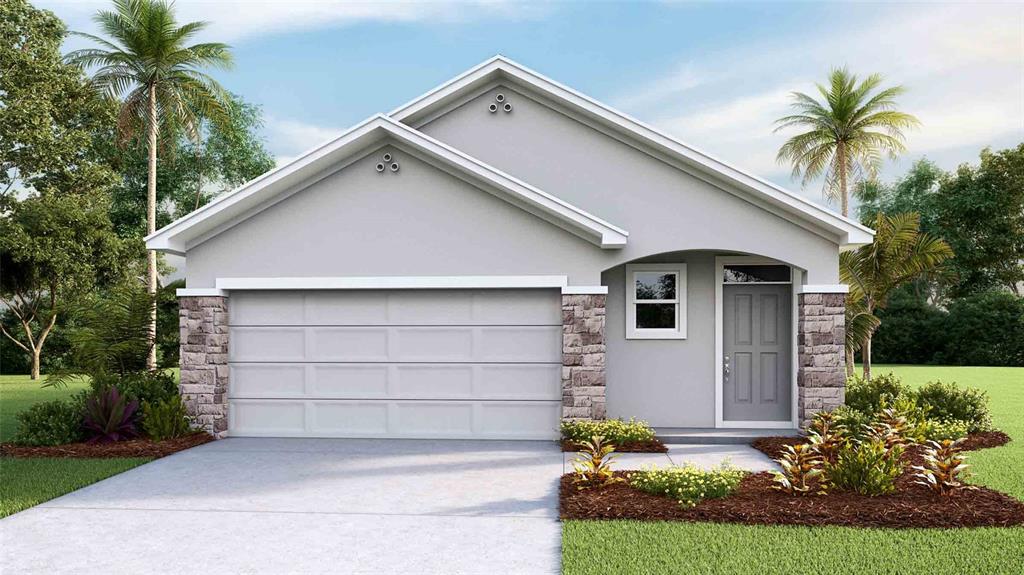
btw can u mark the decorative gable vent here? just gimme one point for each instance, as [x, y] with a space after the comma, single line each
[499, 103]
[387, 163]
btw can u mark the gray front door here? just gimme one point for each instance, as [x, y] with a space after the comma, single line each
[756, 375]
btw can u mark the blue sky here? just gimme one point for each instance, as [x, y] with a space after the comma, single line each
[713, 74]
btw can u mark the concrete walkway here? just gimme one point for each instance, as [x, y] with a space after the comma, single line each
[705, 456]
[306, 506]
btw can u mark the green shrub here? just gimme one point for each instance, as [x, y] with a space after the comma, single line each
[165, 420]
[614, 431]
[851, 421]
[948, 402]
[688, 485]
[143, 386]
[939, 430]
[55, 422]
[911, 330]
[980, 328]
[870, 396]
[869, 467]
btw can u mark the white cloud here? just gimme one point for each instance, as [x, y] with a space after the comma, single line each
[963, 67]
[236, 20]
[286, 138]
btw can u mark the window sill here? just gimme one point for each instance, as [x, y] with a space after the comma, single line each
[656, 335]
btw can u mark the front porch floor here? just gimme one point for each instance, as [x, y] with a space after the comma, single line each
[712, 435]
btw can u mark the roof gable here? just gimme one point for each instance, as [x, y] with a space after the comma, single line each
[327, 158]
[756, 190]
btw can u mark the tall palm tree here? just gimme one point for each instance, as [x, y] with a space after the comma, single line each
[899, 254]
[846, 134]
[146, 61]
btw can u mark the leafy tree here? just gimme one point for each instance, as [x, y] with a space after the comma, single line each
[53, 249]
[148, 61]
[49, 116]
[192, 172]
[980, 212]
[985, 329]
[899, 254]
[913, 192]
[845, 134]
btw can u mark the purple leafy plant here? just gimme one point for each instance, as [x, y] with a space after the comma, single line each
[109, 416]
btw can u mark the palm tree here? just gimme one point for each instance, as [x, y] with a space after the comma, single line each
[899, 254]
[147, 62]
[845, 135]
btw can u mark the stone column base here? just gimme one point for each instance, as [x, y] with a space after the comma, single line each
[204, 361]
[821, 344]
[583, 352]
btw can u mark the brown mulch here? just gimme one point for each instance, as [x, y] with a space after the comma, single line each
[129, 448]
[772, 446]
[651, 446]
[755, 503]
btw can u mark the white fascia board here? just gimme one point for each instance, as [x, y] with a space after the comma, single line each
[227, 210]
[200, 292]
[849, 232]
[392, 282]
[585, 290]
[824, 288]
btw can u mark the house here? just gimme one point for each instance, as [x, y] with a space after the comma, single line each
[498, 254]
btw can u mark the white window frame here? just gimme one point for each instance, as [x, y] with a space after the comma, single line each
[680, 301]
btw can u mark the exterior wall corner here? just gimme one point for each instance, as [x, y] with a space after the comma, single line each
[583, 356]
[821, 338]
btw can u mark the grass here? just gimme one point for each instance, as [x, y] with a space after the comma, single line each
[28, 482]
[31, 481]
[623, 547]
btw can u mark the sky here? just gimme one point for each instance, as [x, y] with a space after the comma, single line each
[715, 75]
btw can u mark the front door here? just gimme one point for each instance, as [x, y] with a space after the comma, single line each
[757, 362]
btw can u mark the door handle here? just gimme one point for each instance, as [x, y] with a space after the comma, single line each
[725, 367]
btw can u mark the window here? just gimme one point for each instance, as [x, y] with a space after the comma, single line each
[756, 274]
[656, 301]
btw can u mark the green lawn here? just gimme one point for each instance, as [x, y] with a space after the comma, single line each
[28, 482]
[623, 547]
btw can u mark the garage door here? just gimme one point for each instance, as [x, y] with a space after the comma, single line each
[427, 363]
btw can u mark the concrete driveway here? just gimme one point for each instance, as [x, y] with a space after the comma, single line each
[306, 506]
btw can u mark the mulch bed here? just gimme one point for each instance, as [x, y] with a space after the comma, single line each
[755, 503]
[772, 446]
[130, 448]
[651, 446]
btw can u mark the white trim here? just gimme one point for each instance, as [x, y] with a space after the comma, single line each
[828, 288]
[247, 200]
[392, 282]
[200, 292]
[793, 423]
[849, 231]
[585, 290]
[680, 301]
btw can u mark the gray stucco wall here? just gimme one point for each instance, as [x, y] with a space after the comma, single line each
[667, 382]
[420, 221]
[663, 208]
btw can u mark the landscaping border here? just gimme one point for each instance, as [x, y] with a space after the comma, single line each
[129, 448]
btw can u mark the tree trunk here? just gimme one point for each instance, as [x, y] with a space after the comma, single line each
[151, 227]
[844, 199]
[850, 368]
[865, 355]
[35, 364]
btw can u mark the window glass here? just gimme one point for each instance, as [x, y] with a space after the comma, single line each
[756, 274]
[655, 286]
[656, 316]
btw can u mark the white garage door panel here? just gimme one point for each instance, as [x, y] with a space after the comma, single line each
[408, 307]
[405, 381]
[405, 363]
[387, 418]
[438, 344]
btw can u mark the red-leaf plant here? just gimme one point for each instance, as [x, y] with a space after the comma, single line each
[109, 416]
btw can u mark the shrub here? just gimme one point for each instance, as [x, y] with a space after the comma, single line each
[911, 330]
[948, 402]
[688, 485]
[979, 328]
[110, 416]
[851, 421]
[868, 467]
[594, 464]
[944, 467]
[870, 396]
[153, 387]
[801, 468]
[614, 431]
[827, 434]
[53, 422]
[165, 420]
[938, 430]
